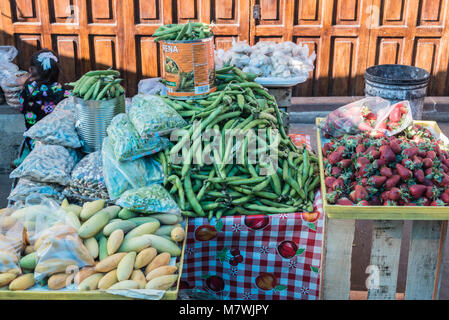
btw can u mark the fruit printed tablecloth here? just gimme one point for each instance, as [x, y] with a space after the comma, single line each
[262, 257]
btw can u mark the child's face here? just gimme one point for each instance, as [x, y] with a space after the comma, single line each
[33, 72]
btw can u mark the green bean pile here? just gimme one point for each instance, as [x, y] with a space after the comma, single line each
[98, 85]
[221, 189]
[188, 31]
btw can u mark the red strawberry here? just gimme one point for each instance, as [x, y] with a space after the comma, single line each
[344, 202]
[403, 172]
[360, 148]
[427, 163]
[334, 157]
[329, 181]
[410, 152]
[445, 180]
[428, 171]
[359, 193]
[378, 181]
[431, 154]
[380, 163]
[384, 196]
[335, 171]
[345, 163]
[394, 194]
[364, 127]
[445, 197]
[419, 175]
[417, 190]
[395, 146]
[392, 181]
[363, 203]
[387, 154]
[370, 116]
[386, 172]
[338, 183]
[395, 114]
[362, 161]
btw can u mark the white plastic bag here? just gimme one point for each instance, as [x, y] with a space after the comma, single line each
[57, 128]
[121, 176]
[47, 163]
[152, 86]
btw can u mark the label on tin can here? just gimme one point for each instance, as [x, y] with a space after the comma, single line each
[188, 67]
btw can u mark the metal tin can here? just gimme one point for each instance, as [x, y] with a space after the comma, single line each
[188, 67]
[93, 118]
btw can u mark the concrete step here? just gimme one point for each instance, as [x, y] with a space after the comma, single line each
[306, 109]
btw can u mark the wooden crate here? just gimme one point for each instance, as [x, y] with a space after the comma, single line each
[424, 262]
[425, 253]
[88, 295]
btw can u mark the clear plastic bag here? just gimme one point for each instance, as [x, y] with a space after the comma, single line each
[125, 175]
[396, 120]
[26, 187]
[58, 246]
[47, 163]
[150, 199]
[57, 128]
[88, 173]
[86, 194]
[127, 143]
[67, 104]
[152, 86]
[12, 242]
[151, 116]
[358, 116]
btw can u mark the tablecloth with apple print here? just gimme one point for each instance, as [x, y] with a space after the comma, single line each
[261, 257]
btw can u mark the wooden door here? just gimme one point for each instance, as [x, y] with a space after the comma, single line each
[338, 31]
[98, 34]
[348, 35]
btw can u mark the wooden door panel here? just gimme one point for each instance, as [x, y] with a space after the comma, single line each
[393, 12]
[342, 66]
[148, 58]
[347, 12]
[103, 52]
[430, 12]
[67, 48]
[27, 45]
[271, 12]
[308, 12]
[102, 11]
[187, 10]
[308, 88]
[389, 51]
[148, 11]
[25, 11]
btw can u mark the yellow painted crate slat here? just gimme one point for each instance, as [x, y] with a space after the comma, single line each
[88, 295]
[379, 212]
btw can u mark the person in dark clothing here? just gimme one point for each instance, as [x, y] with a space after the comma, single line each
[41, 92]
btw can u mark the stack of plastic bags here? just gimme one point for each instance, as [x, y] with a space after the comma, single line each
[133, 178]
[11, 79]
[48, 167]
[269, 59]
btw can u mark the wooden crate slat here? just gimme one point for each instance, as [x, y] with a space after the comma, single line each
[336, 269]
[423, 260]
[386, 247]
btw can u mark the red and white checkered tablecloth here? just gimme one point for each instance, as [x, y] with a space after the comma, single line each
[263, 257]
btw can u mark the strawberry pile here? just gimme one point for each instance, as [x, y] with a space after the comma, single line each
[410, 169]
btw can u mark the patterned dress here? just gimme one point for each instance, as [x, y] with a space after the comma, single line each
[38, 100]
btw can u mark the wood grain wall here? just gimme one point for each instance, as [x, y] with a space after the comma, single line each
[348, 35]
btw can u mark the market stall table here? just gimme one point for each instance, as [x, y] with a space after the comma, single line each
[255, 257]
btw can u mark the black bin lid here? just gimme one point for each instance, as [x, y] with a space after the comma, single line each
[396, 74]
